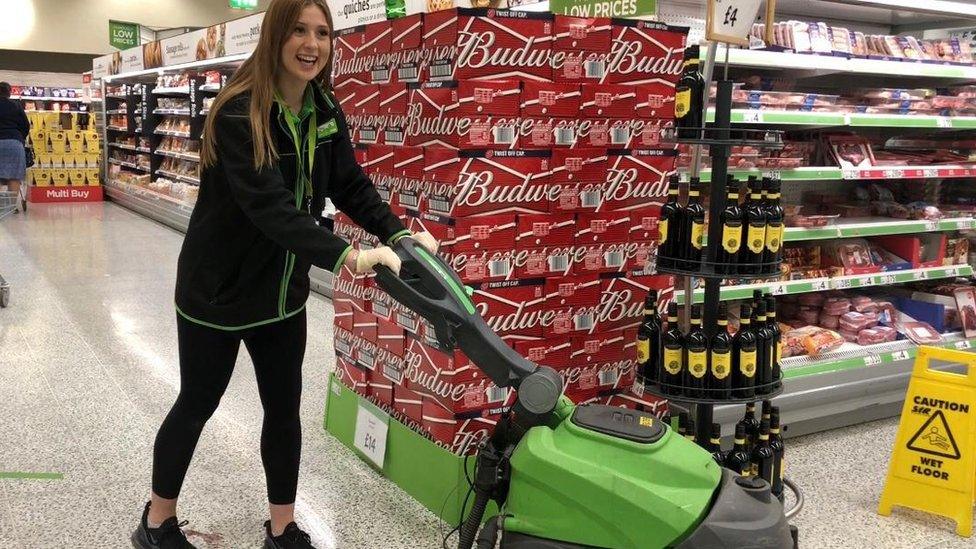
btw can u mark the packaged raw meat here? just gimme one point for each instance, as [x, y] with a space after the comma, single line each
[822, 341]
[831, 322]
[921, 333]
[872, 319]
[858, 44]
[799, 36]
[889, 333]
[850, 337]
[855, 322]
[864, 304]
[836, 306]
[809, 315]
[840, 39]
[819, 38]
[870, 336]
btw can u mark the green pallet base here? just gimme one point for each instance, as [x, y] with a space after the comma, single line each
[430, 474]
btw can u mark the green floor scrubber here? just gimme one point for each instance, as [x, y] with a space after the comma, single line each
[590, 476]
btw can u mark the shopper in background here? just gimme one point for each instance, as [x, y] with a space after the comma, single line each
[275, 146]
[14, 129]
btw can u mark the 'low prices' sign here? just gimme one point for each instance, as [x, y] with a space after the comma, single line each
[123, 35]
[604, 8]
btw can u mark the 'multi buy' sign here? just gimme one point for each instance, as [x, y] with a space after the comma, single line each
[123, 35]
[604, 8]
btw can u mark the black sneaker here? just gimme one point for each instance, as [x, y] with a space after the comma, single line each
[292, 538]
[167, 536]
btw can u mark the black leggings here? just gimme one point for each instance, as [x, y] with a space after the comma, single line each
[207, 358]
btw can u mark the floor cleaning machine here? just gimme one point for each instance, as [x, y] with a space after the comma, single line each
[589, 476]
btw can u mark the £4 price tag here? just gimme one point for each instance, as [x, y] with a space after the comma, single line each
[371, 429]
[964, 344]
[752, 117]
[730, 21]
[900, 355]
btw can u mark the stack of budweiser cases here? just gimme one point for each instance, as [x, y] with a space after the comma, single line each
[529, 146]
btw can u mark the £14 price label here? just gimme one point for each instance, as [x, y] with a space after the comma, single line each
[371, 429]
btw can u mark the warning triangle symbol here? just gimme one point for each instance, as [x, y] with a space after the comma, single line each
[935, 438]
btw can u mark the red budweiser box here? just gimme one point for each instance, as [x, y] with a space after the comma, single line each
[406, 319]
[344, 342]
[387, 374]
[622, 299]
[572, 291]
[486, 44]
[655, 100]
[633, 398]
[550, 99]
[638, 133]
[581, 33]
[364, 325]
[450, 379]
[394, 99]
[370, 130]
[408, 168]
[545, 230]
[589, 259]
[355, 99]
[483, 182]
[637, 178]
[581, 65]
[641, 256]
[407, 42]
[379, 168]
[343, 311]
[351, 375]
[390, 337]
[484, 265]
[607, 100]
[604, 347]
[644, 52]
[543, 262]
[644, 224]
[582, 382]
[552, 351]
[354, 53]
[382, 305]
[438, 116]
[395, 128]
[513, 307]
[602, 228]
[365, 353]
[352, 288]
[408, 403]
[575, 172]
[469, 234]
[459, 433]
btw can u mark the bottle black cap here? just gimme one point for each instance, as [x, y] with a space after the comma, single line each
[757, 296]
[761, 308]
[716, 430]
[691, 427]
[672, 309]
[745, 311]
[650, 301]
[683, 421]
[692, 51]
[740, 430]
[723, 311]
[774, 419]
[764, 427]
[770, 303]
[766, 407]
[696, 311]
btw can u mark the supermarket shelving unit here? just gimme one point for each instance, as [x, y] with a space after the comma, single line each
[163, 208]
[855, 383]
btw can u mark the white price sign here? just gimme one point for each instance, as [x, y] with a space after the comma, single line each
[964, 224]
[842, 283]
[850, 173]
[371, 428]
[752, 117]
[774, 174]
[964, 344]
[900, 355]
[943, 122]
[888, 279]
[872, 360]
[931, 226]
[730, 21]
[894, 173]
[778, 289]
[865, 281]
[930, 173]
[820, 285]
[919, 275]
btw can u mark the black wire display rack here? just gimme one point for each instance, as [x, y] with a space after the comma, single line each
[678, 393]
[714, 269]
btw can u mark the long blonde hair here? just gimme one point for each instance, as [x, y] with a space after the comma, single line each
[257, 75]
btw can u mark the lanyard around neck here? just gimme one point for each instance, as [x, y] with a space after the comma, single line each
[311, 140]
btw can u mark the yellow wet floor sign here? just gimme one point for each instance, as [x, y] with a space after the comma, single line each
[933, 465]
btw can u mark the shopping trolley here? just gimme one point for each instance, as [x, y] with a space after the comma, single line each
[8, 203]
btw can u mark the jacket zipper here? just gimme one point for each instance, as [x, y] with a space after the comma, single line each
[290, 257]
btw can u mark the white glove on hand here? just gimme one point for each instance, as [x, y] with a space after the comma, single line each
[426, 240]
[367, 259]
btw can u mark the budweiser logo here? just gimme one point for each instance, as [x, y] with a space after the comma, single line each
[476, 189]
[353, 287]
[628, 57]
[357, 64]
[477, 51]
[624, 185]
[521, 319]
[616, 306]
[435, 383]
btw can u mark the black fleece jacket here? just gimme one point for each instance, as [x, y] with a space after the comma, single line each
[13, 120]
[253, 234]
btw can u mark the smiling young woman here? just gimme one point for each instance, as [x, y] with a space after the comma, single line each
[275, 146]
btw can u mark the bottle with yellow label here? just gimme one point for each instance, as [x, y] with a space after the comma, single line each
[697, 344]
[688, 96]
[777, 343]
[764, 348]
[727, 257]
[744, 356]
[739, 458]
[669, 227]
[754, 214]
[694, 221]
[671, 373]
[719, 381]
[649, 340]
[774, 225]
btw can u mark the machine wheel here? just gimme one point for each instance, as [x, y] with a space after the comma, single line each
[4, 296]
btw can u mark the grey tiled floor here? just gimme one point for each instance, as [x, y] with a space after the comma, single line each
[88, 370]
